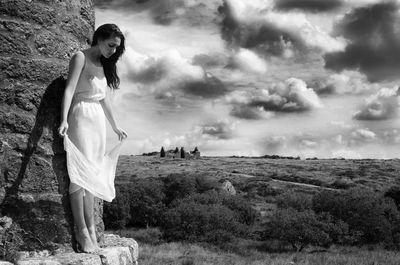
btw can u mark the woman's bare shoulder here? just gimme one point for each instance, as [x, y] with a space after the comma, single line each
[78, 58]
[78, 55]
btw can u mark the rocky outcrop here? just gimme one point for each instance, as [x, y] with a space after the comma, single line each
[115, 251]
[228, 187]
[38, 38]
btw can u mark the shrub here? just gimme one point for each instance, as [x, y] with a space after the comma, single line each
[369, 215]
[295, 200]
[242, 209]
[139, 203]
[394, 193]
[116, 214]
[303, 228]
[178, 186]
[343, 183]
[146, 201]
[297, 228]
[199, 222]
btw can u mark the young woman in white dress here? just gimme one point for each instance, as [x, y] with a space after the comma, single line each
[84, 107]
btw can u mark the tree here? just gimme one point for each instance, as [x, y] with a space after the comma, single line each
[369, 215]
[162, 152]
[299, 228]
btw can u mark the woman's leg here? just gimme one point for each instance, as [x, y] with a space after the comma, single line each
[78, 208]
[88, 202]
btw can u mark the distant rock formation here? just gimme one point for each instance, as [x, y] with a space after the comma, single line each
[176, 153]
[195, 153]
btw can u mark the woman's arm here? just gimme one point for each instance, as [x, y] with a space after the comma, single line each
[106, 104]
[75, 67]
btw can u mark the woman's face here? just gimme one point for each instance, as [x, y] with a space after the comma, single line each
[109, 46]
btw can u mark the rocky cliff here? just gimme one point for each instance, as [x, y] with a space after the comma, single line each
[37, 39]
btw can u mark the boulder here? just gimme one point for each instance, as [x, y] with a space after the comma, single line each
[228, 187]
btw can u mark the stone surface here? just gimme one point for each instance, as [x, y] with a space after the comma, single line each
[115, 251]
[228, 187]
[38, 38]
[5, 263]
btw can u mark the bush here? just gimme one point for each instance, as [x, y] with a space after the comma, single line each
[196, 222]
[146, 201]
[343, 183]
[178, 186]
[303, 228]
[370, 216]
[242, 209]
[116, 214]
[295, 200]
[211, 216]
[394, 193]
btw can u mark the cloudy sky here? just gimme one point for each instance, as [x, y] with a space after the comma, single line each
[308, 78]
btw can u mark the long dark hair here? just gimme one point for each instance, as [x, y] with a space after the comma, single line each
[104, 32]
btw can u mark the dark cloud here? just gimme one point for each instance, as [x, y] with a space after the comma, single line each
[246, 112]
[210, 60]
[170, 74]
[209, 87]
[373, 34]
[263, 36]
[265, 30]
[309, 5]
[289, 96]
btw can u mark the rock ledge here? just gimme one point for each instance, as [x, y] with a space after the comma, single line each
[115, 251]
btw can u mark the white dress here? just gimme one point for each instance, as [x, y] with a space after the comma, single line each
[89, 166]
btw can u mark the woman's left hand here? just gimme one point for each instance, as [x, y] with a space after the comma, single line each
[121, 133]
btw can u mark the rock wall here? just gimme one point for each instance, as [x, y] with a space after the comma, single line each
[37, 39]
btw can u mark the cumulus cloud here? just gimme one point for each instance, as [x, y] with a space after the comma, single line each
[363, 135]
[309, 5]
[293, 95]
[372, 33]
[248, 61]
[169, 74]
[256, 25]
[221, 129]
[392, 136]
[346, 82]
[380, 106]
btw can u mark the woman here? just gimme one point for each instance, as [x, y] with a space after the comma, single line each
[83, 111]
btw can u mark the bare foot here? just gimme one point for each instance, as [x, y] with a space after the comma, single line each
[84, 241]
[92, 234]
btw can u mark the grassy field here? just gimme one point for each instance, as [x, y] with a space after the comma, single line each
[326, 173]
[251, 253]
[260, 180]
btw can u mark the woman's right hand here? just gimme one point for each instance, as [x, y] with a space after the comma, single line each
[62, 130]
